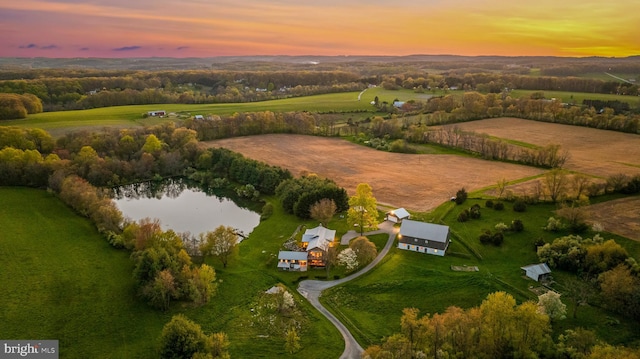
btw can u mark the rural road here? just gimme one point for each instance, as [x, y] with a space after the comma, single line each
[312, 290]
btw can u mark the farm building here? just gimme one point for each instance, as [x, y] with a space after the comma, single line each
[159, 113]
[423, 237]
[397, 215]
[198, 117]
[294, 261]
[537, 272]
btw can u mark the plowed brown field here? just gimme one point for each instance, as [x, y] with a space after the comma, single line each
[416, 182]
[422, 182]
[592, 151]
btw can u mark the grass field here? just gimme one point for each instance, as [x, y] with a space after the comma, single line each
[132, 116]
[578, 97]
[61, 280]
[409, 279]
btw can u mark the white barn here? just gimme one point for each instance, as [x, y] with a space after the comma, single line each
[423, 237]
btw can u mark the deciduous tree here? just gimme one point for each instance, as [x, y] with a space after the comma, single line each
[365, 250]
[323, 211]
[219, 243]
[363, 208]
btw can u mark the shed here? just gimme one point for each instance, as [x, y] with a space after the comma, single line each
[537, 272]
[397, 215]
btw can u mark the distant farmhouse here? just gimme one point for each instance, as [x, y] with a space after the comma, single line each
[316, 242]
[198, 117]
[423, 237]
[158, 113]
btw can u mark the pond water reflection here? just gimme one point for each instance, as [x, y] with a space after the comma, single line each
[182, 207]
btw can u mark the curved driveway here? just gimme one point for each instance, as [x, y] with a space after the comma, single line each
[312, 290]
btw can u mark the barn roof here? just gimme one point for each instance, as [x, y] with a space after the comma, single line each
[424, 230]
[400, 213]
[537, 269]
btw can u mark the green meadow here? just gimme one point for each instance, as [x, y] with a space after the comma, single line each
[133, 116]
[409, 279]
[578, 97]
[63, 281]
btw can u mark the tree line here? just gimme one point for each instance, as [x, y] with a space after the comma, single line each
[498, 328]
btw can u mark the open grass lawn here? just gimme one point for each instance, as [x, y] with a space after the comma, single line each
[409, 279]
[578, 97]
[61, 280]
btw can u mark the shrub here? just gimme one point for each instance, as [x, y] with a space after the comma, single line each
[517, 225]
[501, 227]
[486, 237]
[463, 216]
[474, 211]
[519, 206]
[488, 203]
[461, 196]
[553, 225]
[498, 206]
[539, 242]
[578, 227]
[267, 211]
[497, 238]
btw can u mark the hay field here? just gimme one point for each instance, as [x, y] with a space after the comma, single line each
[416, 182]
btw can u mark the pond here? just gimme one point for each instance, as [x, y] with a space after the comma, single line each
[183, 207]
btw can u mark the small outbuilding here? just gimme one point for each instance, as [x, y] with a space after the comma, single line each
[159, 113]
[198, 117]
[538, 272]
[397, 215]
[423, 237]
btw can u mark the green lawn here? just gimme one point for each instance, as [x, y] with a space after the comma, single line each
[61, 280]
[409, 279]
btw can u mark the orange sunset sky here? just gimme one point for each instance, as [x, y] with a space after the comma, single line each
[203, 28]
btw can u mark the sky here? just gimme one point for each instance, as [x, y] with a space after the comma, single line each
[206, 28]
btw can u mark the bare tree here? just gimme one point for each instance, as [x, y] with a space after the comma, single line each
[323, 210]
[555, 184]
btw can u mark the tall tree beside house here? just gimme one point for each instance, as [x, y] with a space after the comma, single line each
[364, 249]
[363, 210]
[219, 243]
[323, 210]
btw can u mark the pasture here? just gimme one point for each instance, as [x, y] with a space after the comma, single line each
[577, 97]
[409, 279]
[64, 281]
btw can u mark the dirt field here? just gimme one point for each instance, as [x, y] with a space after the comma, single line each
[416, 182]
[592, 151]
[625, 222]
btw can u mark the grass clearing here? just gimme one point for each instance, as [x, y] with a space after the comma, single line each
[67, 283]
[410, 279]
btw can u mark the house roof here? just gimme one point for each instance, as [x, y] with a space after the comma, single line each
[319, 232]
[292, 255]
[537, 269]
[400, 213]
[423, 230]
[318, 243]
